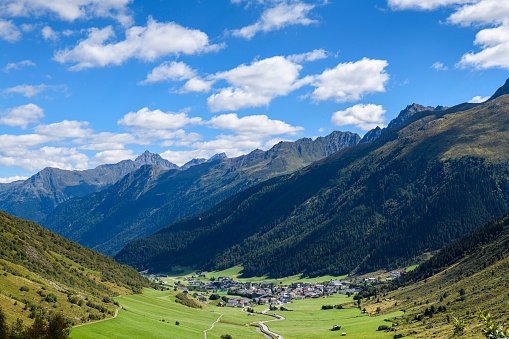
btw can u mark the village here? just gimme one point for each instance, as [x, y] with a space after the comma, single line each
[264, 293]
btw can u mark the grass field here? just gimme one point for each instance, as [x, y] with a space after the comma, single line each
[153, 315]
[308, 320]
[142, 317]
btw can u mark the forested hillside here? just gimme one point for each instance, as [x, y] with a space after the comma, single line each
[150, 198]
[377, 205]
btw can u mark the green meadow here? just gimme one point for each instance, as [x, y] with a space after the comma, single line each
[154, 315]
[308, 320]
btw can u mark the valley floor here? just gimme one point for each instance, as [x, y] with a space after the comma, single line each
[155, 315]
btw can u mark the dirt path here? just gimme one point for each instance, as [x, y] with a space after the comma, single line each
[97, 321]
[264, 327]
[211, 327]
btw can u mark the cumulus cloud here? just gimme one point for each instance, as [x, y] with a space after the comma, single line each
[68, 10]
[17, 65]
[9, 32]
[362, 116]
[22, 116]
[197, 85]
[233, 145]
[157, 120]
[169, 71]
[478, 99]
[482, 12]
[11, 179]
[147, 43]
[112, 156]
[32, 90]
[49, 34]
[317, 54]
[65, 129]
[281, 15]
[438, 66]
[107, 141]
[494, 43]
[424, 4]
[259, 125]
[34, 160]
[181, 157]
[350, 81]
[19, 144]
[256, 84]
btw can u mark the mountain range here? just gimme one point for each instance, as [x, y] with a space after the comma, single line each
[376, 205]
[151, 197]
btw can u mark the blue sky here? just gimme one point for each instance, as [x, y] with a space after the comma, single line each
[87, 82]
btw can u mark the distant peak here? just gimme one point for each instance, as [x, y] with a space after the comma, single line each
[501, 91]
[217, 156]
[148, 158]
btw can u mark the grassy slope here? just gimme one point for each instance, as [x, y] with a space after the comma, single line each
[482, 271]
[44, 262]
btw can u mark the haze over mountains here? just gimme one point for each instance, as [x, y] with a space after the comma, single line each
[373, 206]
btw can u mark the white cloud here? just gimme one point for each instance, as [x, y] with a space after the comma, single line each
[317, 54]
[17, 65]
[65, 129]
[197, 85]
[170, 71]
[181, 157]
[483, 12]
[9, 32]
[350, 81]
[22, 116]
[17, 144]
[112, 156]
[495, 50]
[147, 43]
[438, 66]
[362, 116]
[32, 90]
[233, 145]
[283, 14]
[68, 10]
[26, 90]
[49, 34]
[424, 4]
[106, 141]
[157, 120]
[11, 179]
[256, 125]
[256, 84]
[478, 99]
[35, 160]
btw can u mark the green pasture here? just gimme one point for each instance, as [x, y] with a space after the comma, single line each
[308, 320]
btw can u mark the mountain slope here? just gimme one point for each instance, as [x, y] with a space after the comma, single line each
[43, 271]
[419, 186]
[470, 273]
[37, 196]
[150, 198]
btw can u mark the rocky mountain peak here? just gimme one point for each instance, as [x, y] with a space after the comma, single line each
[501, 91]
[148, 158]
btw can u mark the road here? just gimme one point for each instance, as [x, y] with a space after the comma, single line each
[211, 327]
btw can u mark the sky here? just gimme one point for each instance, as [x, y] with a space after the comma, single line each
[89, 82]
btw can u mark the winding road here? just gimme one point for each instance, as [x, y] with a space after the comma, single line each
[211, 327]
[265, 327]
